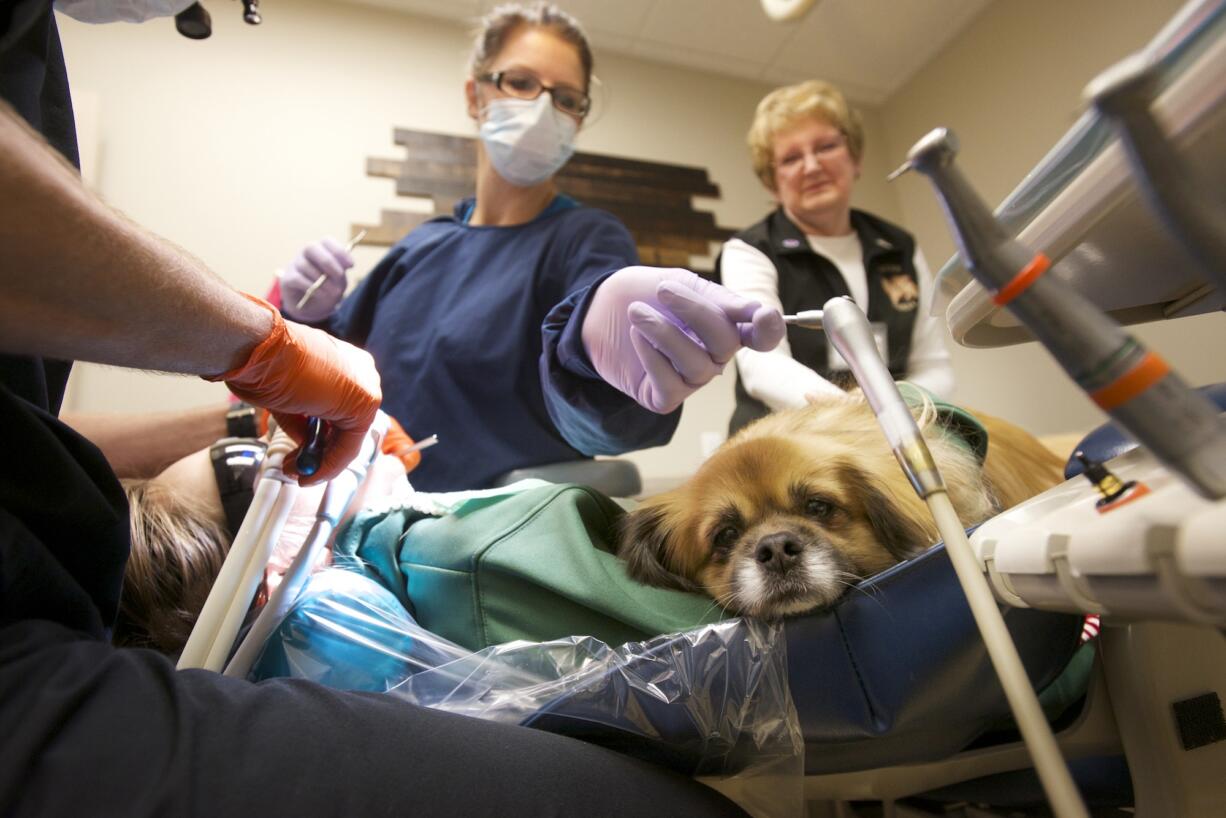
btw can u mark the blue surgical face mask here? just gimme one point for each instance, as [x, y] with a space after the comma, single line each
[527, 140]
[117, 11]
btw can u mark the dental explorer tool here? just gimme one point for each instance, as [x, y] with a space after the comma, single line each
[1192, 211]
[424, 443]
[317, 283]
[809, 319]
[848, 329]
[1136, 387]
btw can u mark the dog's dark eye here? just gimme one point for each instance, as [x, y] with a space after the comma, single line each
[819, 509]
[725, 538]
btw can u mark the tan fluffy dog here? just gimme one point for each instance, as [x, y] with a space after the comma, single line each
[797, 507]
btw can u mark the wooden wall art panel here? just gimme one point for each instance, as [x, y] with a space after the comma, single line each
[653, 199]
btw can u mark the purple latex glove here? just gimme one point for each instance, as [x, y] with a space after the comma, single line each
[659, 334]
[326, 258]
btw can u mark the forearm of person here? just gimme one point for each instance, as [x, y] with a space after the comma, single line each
[80, 281]
[779, 380]
[142, 445]
[929, 365]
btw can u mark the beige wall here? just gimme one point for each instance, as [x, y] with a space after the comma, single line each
[242, 147]
[1010, 86]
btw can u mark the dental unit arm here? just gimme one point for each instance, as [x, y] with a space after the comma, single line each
[1192, 211]
[1136, 387]
[848, 329]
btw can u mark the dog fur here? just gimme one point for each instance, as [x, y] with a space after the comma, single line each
[797, 507]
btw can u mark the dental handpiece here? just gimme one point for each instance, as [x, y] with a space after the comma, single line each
[848, 329]
[809, 319]
[1134, 386]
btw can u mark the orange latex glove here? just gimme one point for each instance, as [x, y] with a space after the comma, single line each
[398, 444]
[298, 371]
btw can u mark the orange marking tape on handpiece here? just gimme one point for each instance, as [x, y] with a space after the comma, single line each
[1148, 371]
[1022, 281]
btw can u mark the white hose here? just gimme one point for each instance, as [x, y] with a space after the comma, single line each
[337, 497]
[282, 598]
[252, 575]
[1057, 783]
[200, 642]
[229, 579]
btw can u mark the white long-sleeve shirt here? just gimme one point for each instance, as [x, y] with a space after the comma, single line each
[779, 380]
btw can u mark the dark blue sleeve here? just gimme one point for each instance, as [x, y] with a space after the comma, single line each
[594, 417]
[353, 316]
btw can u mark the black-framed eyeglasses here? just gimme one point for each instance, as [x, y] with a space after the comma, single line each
[524, 85]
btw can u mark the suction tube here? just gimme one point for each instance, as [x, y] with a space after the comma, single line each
[848, 329]
[1136, 387]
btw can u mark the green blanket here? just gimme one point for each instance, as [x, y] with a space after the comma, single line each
[534, 565]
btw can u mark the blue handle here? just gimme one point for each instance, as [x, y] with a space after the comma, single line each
[312, 454]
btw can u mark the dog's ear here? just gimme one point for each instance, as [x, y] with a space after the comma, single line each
[643, 544]
[901, 536]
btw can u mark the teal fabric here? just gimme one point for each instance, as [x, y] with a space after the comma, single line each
[954, 419]
[535, 565]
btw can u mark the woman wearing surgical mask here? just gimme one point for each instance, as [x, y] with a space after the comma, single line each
[806, 143]
[518, 329]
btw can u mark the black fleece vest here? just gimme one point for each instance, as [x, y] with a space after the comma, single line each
[808, 280]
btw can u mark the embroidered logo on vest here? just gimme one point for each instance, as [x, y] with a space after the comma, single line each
[901, 289]
[791, 244]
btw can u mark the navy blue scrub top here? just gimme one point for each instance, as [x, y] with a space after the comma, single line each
[476, 334]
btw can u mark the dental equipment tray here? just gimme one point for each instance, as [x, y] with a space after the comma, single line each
[1082, 207]
[1157, 554]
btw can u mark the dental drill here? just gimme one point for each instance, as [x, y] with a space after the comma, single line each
[848, 329]
[1136, 387]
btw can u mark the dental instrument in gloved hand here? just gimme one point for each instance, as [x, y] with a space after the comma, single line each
[398, 444]
[848, 329]
[298, 372]
[1180, 426]
[809, 319]
[320, 279]
[311, 455]
[658, 334]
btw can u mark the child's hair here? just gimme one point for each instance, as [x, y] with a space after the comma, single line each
[177, 552]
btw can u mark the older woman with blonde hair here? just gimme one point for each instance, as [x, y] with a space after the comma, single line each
[807, 145]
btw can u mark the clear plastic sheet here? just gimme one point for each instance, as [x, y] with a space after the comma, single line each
[708, 702]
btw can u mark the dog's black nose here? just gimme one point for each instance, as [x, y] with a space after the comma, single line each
[778, 551]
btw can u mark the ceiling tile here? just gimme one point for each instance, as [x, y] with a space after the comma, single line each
[603, 41]
[874, 44]
[737, 29]
[701, 60]
[870, 48]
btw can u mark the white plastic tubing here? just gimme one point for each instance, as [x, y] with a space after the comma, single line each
[1057, 783]
[240, 575]
[337, 497]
